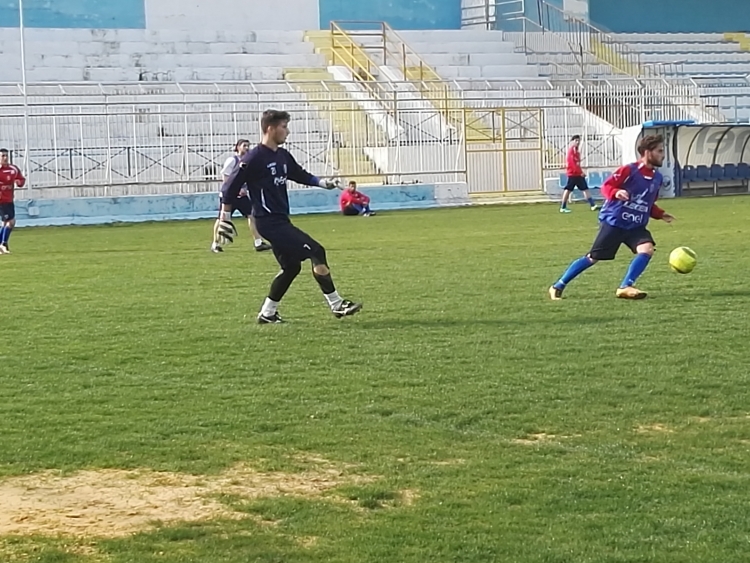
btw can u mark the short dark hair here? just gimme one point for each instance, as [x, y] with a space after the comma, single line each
[272, 118]
[4, 151]
[240, 142]
[649, 143]
[575, 138]
[352, 183]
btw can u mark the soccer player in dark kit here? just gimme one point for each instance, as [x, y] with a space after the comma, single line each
[265, 170]
[631, 194]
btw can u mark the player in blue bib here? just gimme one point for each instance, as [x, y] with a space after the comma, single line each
[631, 194]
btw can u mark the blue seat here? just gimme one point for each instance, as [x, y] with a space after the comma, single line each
[703, 173]
[594, 180]
[730, 172]
[689, 174]
[743, 171]
[563, 180]
[717, 172]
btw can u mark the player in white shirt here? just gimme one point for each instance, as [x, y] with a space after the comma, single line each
[243, 201]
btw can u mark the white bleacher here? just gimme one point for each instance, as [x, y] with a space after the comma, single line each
[703, 57]
[62, 55]
[690, 54]
[149, 123]
[469, 54]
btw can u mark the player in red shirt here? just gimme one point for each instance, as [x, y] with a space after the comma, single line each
[10, 178]
[353, 202]
[576, 176]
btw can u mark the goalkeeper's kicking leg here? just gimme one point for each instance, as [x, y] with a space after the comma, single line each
[291, 246]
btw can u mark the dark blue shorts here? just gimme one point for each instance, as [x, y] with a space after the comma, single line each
[290, 245]
[576, 182]
[7, 211]
[610, 238]
[241, 204]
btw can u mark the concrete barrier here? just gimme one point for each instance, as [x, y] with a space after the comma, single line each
[101, 210]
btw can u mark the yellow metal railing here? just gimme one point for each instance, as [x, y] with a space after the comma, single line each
[379, 44]
[347, 52]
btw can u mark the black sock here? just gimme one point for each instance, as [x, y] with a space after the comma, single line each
[280, 284]
[325, 283]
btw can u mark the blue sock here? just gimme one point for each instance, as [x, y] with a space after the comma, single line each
[637, 267]
[4, 234]
[573, 271]
[591, 201]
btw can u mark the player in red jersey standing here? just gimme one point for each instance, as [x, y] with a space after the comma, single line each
[10, 178]
[576, 176]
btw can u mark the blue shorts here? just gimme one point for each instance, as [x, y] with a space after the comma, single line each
[610, 238]
[7, 211]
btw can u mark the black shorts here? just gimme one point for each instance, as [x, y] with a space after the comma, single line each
[576, 182]
[610, 238]
[7, 211]
[350, 210]
[241, 204]
[290, 245]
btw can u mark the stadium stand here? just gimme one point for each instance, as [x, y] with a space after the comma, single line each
[74, 55]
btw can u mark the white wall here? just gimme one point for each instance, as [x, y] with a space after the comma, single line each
[231, 15]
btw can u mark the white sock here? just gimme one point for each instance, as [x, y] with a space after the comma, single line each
[269, 307]
[334, 299]
[258, 242]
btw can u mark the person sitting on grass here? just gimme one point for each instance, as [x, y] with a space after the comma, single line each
[353, 202]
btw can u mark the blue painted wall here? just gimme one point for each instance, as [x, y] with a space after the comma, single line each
[671, 16]
[99, 210]
[93, 14]
[400, 14]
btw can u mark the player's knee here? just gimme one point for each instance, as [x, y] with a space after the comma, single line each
[646, 248]
[319, 259]
[592, 260]
[11, 223]
[321, 269]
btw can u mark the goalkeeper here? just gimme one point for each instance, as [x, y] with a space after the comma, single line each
[265, 170]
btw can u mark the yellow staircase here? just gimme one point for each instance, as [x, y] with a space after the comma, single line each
[432, 87]
[348, 119]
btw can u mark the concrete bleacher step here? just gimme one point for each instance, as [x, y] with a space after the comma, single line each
[54, 55]
[479, 47]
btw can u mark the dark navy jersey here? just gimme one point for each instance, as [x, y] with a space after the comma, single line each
[265, 172]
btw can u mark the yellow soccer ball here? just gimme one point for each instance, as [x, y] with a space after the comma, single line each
[682, 260]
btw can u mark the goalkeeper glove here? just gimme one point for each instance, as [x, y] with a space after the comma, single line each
[227, 230]
[330, 183]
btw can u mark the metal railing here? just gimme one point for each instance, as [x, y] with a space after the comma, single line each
[141, 138]
[173, 138]
[383, 46]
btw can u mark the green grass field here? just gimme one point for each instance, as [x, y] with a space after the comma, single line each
[461, 417]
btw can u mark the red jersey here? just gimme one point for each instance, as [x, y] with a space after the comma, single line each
[348, 198]
[574, 162]
[10, 177]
